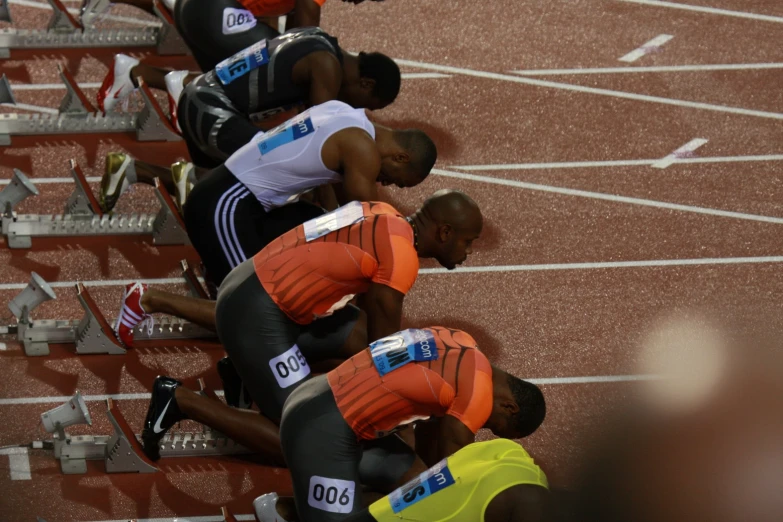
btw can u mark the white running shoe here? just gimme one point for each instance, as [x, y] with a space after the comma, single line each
[91, 10]
[114, 182]
[266, 508]
[118, 83]
[170, 5]
[174, 85]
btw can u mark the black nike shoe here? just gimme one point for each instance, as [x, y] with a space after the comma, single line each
[162, 414]
[233, 389]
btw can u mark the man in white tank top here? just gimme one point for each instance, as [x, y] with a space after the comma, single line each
[240, 207]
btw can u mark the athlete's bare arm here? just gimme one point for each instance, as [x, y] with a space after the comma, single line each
[521, 503]
[384, 311]
[360, 163]
[440, 438]
[306, 14]
[325, 77]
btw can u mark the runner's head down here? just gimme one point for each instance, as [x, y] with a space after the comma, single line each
[374, 86]
[407, 156]
[446, 225]
[518, 407]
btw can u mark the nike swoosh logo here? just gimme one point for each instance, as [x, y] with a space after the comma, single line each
[157, 428]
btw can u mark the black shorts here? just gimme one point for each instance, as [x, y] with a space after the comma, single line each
[327, 461]
[201, 25]
[213, 129]
[227, 225]
[269, 350]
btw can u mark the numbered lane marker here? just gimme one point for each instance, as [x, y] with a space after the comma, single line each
[653, 46]
[686, 151]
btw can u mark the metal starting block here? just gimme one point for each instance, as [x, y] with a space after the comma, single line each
[122, 451]
[64, 31]
[92, 334]
[82, 216]
[78, 116]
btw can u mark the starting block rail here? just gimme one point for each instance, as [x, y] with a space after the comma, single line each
[93, 334]
[78, 116]
[64, 31]
[82, 216]
[122, 451]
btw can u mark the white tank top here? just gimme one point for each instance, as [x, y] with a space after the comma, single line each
[279, 165]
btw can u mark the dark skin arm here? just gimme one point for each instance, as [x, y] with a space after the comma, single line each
[384, 311]
[306, 14]
[360, 163]
[441, 438]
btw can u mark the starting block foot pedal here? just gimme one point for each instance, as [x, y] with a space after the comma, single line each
[82, 201]
[6, 94]
[19, 189]
[74, 101]
[168, 227]
[152, 123]
[94, 334]
[5, 14]
[193, 283]
[124, 453]
[62, 20]
[169, 40]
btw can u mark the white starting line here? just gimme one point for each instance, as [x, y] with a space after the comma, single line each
[709, 10]
[612, 163]
[19, 462]
[652, 69]
[652, 46]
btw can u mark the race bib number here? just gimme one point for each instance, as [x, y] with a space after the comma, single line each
[237, 20]
[290, 367]
[333, 495]
[288, 132]
[399, 349]
[242, 63]
[335, 220]
[428, 483]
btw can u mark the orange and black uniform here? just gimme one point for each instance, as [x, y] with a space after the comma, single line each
[287, 305]
[410, 376]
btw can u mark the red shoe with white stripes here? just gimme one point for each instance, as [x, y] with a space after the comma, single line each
[132, 314]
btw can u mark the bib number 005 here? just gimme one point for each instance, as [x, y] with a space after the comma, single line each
[329, 494]
[290, 367]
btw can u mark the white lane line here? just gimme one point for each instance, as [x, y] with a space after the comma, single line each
[607, 264]
[184, 519]
[475, 269]
[652, 46]
[652, 69]
[423, 76]
[43, 181]
[34, 108]
[594, 379]
[592, 90]
[106, 282]
[73, 11]
[144, 396]
[710, 10]
[685, 151]
[19, 461]
[47, 86]
[608, 197]
[616, 163]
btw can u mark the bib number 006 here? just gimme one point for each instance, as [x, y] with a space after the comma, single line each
[290, 367]
[329, 494]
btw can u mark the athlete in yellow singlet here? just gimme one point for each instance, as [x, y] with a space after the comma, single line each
[484, 482]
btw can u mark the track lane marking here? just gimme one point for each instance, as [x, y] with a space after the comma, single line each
[710, 10]
[592, 90]
[652, 46]
[610, 163]
[607, 197]
[683, 152]
[19, 463]
[650, 69]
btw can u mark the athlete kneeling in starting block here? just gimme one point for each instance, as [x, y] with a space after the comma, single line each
[491, 481]
[220, 108]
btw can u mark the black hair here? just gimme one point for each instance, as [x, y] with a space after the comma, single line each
[385, 72]
[421, 149]
[532, 407]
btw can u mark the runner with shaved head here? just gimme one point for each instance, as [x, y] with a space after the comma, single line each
[286, 307]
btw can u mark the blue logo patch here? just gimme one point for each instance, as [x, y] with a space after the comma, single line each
[399, 349]
[242, 63]
[428, 483]
[286, 133]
